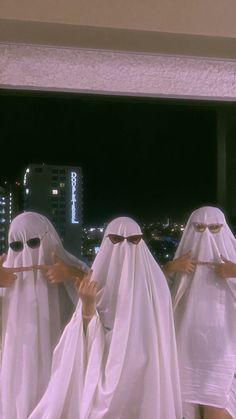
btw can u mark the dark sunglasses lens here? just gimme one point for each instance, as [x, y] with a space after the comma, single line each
[215, 228]
[34, 243]
[16, 246]
[200, 228]
[115, 238]
[134, 239]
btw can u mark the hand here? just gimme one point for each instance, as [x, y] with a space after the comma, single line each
[182, 264]
[8, 275]
[59, 271]
[87, 290]
[227, 269]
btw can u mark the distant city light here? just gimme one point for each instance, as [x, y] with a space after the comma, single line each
[96, 249]
[25, 176]
[27, 191]
[55, 191]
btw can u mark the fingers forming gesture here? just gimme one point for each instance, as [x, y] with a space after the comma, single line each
[59, 271]
[183, 264]
[226, 269]
[87, 290]
[8, 275]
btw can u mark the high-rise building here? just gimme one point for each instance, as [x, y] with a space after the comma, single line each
[3, 220]
[9, 207]
[56, 192]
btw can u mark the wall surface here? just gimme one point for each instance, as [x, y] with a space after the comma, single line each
[201, 17]
[178, 48]
[177, 27]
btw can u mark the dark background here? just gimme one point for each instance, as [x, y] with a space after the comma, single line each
[144, 157]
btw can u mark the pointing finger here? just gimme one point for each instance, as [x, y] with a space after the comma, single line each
[56, 258]
[224, 259]
[27, 268]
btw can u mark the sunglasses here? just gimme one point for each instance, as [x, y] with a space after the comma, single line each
[34, 243]
[115, 238]
[213, 228]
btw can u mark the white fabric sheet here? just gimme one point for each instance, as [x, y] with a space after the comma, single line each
[204, 311]
[126, 368]
[34, 314]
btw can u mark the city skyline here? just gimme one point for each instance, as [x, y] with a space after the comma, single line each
[140, 157]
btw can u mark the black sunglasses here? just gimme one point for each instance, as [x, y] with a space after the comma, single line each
[213, 228]
[34, 243]
[115, 238]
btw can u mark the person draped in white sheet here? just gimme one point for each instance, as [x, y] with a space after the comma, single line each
[125, 367]
[204, 310]
[34, 312]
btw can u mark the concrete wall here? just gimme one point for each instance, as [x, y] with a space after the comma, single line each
[197, 17]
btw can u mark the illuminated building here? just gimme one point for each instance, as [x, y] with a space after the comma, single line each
[56, 192]
[9, 208]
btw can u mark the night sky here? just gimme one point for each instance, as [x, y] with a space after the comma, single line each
[143, 157]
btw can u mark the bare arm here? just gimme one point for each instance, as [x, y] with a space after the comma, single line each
[87, 290]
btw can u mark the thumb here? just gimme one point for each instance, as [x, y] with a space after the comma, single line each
[187, 254]
[224, 259]
[2, 258]
[87, 277]
[55, 258]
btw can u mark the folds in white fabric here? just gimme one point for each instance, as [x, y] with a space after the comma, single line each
[126, 368]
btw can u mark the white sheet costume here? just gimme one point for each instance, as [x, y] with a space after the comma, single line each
[34, 314]
[126, 367]
[205, 312]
